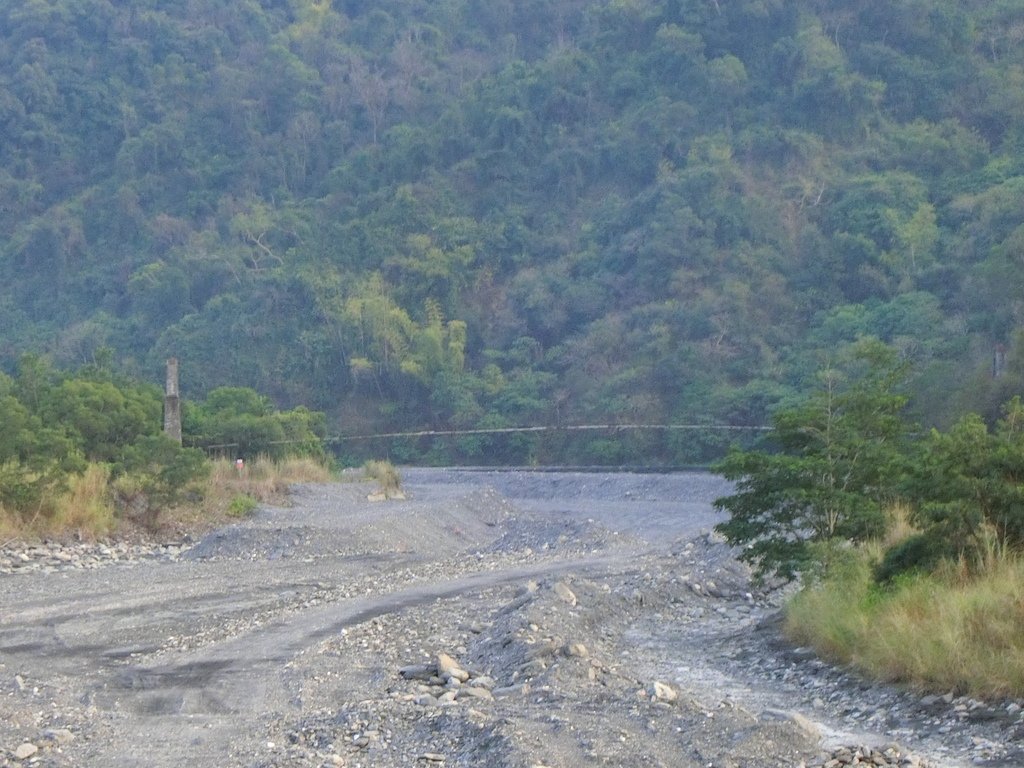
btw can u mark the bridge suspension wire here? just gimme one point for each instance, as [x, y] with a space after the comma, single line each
[513, 430]
[565, 428]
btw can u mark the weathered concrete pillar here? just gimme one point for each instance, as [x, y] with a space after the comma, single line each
[172, 403]
[998, 361]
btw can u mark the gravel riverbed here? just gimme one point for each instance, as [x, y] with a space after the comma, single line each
[492, 618]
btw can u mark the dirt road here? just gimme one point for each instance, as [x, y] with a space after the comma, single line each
[510, 619]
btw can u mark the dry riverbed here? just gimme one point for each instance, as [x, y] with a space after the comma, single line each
[499, 619]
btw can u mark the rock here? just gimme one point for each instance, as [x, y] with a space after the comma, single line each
[578, 650]
[800, 654]
[25, 751]
[59, 735]
[662, 692]
[566, 595]
[431, 757]
[473, 692]
[418, 671]
[542, 650]
[809, 729]
[510, 690]
[361, 741]
[484, 681]
[531, 668]
[514, 605]
[447, 668]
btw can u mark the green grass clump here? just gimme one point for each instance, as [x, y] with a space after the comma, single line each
[242, 505]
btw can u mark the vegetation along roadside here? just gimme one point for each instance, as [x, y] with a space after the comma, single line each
[909, 543]
[82, 453]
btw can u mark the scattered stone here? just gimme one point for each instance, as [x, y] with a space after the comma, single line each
[891, 756]
[808, 728]
[565, 594]
[484, 681]
[50, 556]
[511, 690]
[418, 671]
[530, 668]
[647, 620]
[578, 650]
[663, 692]
[474, 692]
[542, 650]
[25, 751]
[60, 736]
[448, 668]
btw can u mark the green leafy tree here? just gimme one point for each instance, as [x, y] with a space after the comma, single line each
[838, 460]
[102, 417]
[968, 485]
[155, 473]
[240, 420]
[35, 461]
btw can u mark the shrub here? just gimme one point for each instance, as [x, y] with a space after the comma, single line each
[156, 473]
[919, 553]
[242, 505]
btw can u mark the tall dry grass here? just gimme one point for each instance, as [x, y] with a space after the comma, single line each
[961, 628]
[86, 507]
[9, 528]
[387, 477]
[262, 479]
[83, 509]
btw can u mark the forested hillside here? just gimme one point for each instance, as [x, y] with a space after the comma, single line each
[468, 213]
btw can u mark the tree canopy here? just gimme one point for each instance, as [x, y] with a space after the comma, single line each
[837, 459]
[469, 213]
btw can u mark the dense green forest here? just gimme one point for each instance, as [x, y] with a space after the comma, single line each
[474, 213]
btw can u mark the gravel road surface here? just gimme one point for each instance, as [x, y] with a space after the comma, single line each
[491, 618]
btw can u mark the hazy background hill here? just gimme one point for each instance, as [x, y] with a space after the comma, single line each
[466, 213]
